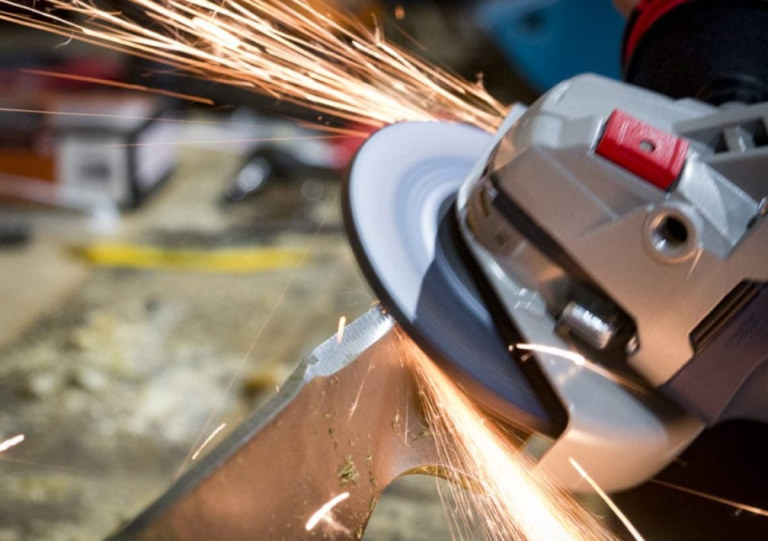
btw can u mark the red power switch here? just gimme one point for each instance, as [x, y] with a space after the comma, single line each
[648, 152]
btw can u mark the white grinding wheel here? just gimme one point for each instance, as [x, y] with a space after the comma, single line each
[398, 205]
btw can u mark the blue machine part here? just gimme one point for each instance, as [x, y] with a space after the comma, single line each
[548, 41]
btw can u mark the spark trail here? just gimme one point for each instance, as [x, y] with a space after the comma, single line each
[293, 50]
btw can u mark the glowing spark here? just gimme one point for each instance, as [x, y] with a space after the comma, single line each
[575, 358]
[211, 142]
[695, 262]
[290, 50]
[11, 442]
[118, 84]
[353, 408]
[324, 512]
[608, 501]
[340, 330]
[208, 440]
[63, 43]
[580, 360]
[262, 329]
[106, 115]
[514, 501]
[399, 12]
[730, 503]
[214, 30]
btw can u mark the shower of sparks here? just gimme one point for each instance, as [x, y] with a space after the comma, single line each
[291, 50]
[334, 64]
[608, 501]
[507, 498]
[580, 360]
[11, 442]
[208, 440]
[736, 505]
[340, 330]
[324, 513]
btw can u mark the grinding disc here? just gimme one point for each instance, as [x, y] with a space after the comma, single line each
[398, 204]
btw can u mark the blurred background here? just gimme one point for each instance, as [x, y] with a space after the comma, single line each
[165, 264]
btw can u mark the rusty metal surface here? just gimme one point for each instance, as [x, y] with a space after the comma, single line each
[347, 421]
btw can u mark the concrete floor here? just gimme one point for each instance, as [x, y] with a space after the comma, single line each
[111, 374]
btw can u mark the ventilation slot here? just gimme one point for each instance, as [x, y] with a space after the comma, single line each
[730, 306]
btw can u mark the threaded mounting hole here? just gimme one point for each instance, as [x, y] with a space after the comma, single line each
[670, 234]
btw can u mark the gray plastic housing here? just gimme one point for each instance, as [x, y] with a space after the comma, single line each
[547, 216]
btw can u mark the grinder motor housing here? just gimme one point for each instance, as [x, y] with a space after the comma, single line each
[625, 230]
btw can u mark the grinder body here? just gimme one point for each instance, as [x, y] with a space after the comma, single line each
[595, 271]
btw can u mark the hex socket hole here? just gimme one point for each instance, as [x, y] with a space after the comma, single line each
[646, 145]
[670, 234]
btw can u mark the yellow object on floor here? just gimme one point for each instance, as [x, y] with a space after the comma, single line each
[230, 260]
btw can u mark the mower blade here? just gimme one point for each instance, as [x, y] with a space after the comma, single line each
[345, 424]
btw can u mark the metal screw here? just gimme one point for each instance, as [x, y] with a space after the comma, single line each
[632, 345]
[762, 208]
